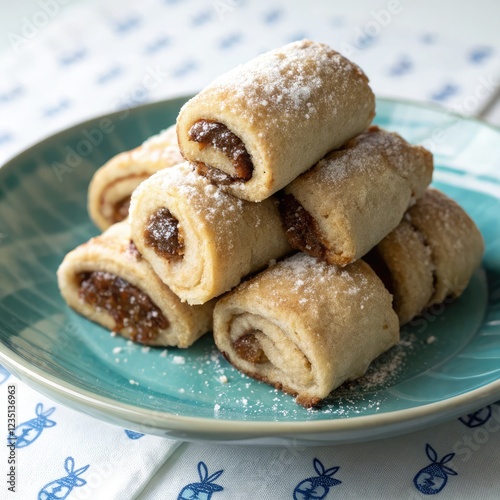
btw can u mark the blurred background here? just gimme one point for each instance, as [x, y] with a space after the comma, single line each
[62, 61]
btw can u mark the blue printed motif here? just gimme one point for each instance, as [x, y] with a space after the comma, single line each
[109, 75]
[73, 57]
[447, 91]
[4, 374]
[62, 487]
[479, 54]
[133, 435]
[5, 138]
[58, 108]
[28, 432]
[433, 478]
[12, 94]
[402, 66]
[184, 69]
[204, 489]
[428, 38]
[126, 25]
[157, 45]
[364, 41]
[317, 486]
[202, 18]
[230, 41]
[273, 17]
[478, 418]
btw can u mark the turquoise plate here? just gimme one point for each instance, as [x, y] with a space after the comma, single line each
[447, 364]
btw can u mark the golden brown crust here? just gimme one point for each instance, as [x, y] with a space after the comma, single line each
[409, 262]
[112, 253]
[117, 178]
[224, 238]
[358, 194]
[318, 325]
[289, 107]
[456, 244]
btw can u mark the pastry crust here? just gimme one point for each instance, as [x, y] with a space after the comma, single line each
[410, 267]
[220, 238]
[355, 196]
[305, 327]
[112, 253]
[456, 243]
[289, 107]
[113, 183]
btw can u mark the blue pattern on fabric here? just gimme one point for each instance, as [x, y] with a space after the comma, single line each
[402, 66]
[28, 432]
[157, 45]
[445, 92]
[478, 418]
[273, 16]
[11, 94]
[4, 374]
[126, 25]
[6, 137]
[62, 487]
[317, 486]
[133, 434]
[109, 75]
[480, 54]
[63, 105]
[432, 479]
[205, 488]
[73, 57]
[429, 38]
[202, 17]
[230, 41]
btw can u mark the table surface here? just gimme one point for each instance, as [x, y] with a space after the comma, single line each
[62, 61]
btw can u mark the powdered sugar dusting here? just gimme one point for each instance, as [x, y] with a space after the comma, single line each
[289, 80]
[311, 282]
[363, 155]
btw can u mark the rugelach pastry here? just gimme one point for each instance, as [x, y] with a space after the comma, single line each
[257, 127]
[430, 256]
[200, 240]
[456, 243]
[305, 327]
[113, 183]
[355, 196]
[107, 281]
[403, 262]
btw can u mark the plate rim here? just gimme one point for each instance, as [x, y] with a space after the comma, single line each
[37, 378]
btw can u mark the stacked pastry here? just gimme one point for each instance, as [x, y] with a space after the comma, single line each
[279, 157]
[112, 185]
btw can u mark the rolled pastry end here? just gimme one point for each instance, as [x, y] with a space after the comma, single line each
[306, 327]
[403, 262]
[304, 233]
[455, 242]
[112, 184]
[429, 257]
[108, 281]
[257, 127]
[131, 309]
[351, 199]
[200, 240]
[164, 235]
[217, 135]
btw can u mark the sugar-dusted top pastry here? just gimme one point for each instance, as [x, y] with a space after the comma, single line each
[257, 127]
